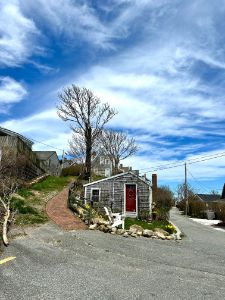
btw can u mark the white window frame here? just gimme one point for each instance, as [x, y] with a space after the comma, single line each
[92, 193]
[102, 160]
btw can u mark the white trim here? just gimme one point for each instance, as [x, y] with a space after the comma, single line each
[85, 195]
[135, 214]
[115, 176]
[99, 193]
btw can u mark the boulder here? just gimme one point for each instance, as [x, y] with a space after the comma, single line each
[133, 235]
[139, 233]
[114, 229]
[169, 237]
[101, 227]
[135, 228]
[120, 231]
[161, 231]
[93, 226]
[126, 234]
[160, 235]
[148, 233]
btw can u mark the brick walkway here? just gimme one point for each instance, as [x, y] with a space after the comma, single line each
[58, 212]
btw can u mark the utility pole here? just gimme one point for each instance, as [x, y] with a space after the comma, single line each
[185, 187]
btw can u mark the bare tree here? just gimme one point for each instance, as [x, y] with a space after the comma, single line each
[87, 116]
[77, 147]
[8, 188]
[118, 146]
[10, 168]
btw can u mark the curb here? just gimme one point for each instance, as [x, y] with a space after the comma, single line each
[178, 233]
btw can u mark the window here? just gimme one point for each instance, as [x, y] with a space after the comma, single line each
[95, 195]
[102, 160]
[107, 161]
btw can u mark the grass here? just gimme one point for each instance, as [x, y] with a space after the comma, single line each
[144, 224]
[52, 183]
[30, 204]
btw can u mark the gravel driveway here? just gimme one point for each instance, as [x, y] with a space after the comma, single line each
[52, 264]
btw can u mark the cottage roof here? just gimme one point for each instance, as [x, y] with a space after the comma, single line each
[208, 197]
[44, 155]
[223, 192]
[118, 175]
[4, 132]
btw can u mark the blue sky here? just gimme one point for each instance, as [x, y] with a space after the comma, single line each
[161, 64]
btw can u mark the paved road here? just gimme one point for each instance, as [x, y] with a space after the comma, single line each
[52, 264]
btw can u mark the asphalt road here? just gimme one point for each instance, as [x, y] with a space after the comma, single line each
[51, 264]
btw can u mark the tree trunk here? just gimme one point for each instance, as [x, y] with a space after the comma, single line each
[88, 137]
[116, 168]
[5, 223]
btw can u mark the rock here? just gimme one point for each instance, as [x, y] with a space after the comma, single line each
[160, 235]
[101, 227]
[135, 228]
[139, 233]
[105, 229]
[93, 226]
[133, 235]
[109, 228]
[148, 233]
[126, 234]
[113, 232]
[120, 231]
[114, 229]
[169, 237]
[165, 233]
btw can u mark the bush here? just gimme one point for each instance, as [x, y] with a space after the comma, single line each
[144, 214]
[164, 198]
[220, 211]
[75, 170]
[197, 209]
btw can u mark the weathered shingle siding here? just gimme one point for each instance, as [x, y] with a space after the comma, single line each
[116, 186]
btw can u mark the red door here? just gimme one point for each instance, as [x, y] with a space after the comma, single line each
[131, 198]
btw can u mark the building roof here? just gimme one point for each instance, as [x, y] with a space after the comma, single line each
[208, 197]
[44, 155]
[4, 131]
[118, 175]
[223, 192]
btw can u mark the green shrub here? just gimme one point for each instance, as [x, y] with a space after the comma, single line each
[22, 207]
[75, 170]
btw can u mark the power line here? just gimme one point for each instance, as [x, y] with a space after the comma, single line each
[46, 144]
[202, 186]
[181, 163]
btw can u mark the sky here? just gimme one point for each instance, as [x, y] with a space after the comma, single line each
[160, 63]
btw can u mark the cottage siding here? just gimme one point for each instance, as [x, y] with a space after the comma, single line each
[114, 189]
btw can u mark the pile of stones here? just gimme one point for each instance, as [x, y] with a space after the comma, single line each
[134, 231]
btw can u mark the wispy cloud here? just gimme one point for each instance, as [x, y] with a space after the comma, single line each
[17, 35]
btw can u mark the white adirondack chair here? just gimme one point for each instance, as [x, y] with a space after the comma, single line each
[115, 219]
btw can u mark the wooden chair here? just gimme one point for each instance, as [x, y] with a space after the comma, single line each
[115, 219]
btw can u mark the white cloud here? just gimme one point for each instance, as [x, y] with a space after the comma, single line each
[44, 127]
[17, 35]
[11, 92]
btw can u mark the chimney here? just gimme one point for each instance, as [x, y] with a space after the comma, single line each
[154, 187]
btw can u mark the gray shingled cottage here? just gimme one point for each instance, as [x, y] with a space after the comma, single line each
[126, 193]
